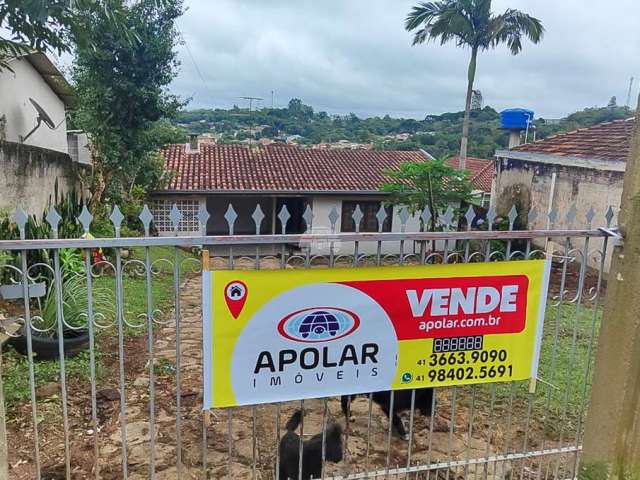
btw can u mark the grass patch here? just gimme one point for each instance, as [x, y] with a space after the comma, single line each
[15, 366]
[135, 288]
[564, 358]
[164, 367]
[16, 374]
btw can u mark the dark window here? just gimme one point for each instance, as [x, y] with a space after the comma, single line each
[369, 221]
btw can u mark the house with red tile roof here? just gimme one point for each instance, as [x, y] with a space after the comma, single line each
[274, 176]
[584, 168]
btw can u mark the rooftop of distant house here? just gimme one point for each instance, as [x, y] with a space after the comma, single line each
[481, 171]
[277, 169]
[605, 141]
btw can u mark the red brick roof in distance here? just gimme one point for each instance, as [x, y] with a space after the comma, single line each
[608, 141]
[481, 171]
[240, 168]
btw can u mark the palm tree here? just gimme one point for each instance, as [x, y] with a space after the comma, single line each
[470, 23]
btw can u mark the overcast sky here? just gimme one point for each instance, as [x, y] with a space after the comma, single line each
[354, 56]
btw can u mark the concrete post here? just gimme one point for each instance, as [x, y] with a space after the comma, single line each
[611, 447]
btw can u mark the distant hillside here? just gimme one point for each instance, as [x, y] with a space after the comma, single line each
[438, 134]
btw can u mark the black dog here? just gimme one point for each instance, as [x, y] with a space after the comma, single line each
[311, 450]
[424, 402]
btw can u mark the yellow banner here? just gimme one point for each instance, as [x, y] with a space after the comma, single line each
[279, 335]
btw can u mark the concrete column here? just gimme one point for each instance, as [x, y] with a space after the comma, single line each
[612, 438]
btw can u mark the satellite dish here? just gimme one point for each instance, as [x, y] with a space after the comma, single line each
[43, 117]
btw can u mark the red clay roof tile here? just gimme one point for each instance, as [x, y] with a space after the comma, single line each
[293, 169]
[481, 170]
[608, 141]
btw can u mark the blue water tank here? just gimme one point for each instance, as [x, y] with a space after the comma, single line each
[516, 118]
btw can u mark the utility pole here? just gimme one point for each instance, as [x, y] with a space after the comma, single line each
[629, 92]
[251, 100]
[611, 447]
[272, 100]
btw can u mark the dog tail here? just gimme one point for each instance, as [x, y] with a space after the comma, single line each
[294, 421]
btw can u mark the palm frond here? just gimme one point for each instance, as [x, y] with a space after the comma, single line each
[453, 24]
[445, 20]
[421, 14]
[511, 26]
[470, 23]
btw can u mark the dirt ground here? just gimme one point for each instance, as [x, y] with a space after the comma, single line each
[231, 450]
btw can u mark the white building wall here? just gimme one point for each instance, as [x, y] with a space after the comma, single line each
[322, 206]
[15, 89]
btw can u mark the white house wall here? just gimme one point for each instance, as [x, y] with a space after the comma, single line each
[244, 208]
[15, 89]
[322, 206]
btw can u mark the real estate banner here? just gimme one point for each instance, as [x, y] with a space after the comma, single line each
[272, 336]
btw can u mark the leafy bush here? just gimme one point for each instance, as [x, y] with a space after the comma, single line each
[75, 302]
[71, 261]
[5, 259]
[68, 206]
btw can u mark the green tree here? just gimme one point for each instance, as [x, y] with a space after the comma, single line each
[52, 25]
[430, 184]
[122, 95]
[470, 23]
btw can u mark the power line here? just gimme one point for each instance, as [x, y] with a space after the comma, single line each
[195, 64]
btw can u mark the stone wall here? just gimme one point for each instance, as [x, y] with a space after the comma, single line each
[531, 185]
[28, 175]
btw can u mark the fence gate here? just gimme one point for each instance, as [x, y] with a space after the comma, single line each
[102, 347]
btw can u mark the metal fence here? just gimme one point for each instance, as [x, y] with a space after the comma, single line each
[128, 405]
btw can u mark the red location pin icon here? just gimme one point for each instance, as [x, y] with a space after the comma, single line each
[235, 294]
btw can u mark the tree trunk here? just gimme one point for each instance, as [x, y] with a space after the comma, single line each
[433, 211]
[432, 208]
[467, 109]
[612, 429]
[99, 186]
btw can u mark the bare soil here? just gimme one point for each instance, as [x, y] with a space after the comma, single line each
[462, 430]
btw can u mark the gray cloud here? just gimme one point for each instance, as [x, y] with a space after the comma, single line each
[354, 56]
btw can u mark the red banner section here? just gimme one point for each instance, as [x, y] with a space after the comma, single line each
[451, 307]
